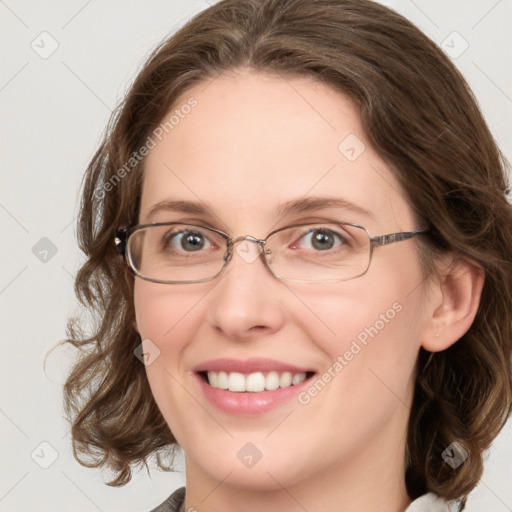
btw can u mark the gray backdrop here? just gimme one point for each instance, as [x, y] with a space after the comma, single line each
[65, 64]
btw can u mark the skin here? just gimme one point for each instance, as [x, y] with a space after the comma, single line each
[253, 142]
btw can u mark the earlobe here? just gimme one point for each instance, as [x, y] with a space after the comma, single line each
[135, 326]
[459, 291]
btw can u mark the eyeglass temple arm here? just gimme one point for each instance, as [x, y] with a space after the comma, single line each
[396, 237]
[120, 240]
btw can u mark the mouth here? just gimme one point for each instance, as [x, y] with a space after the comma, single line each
[250, 387]
[256, 382]
[249, 395]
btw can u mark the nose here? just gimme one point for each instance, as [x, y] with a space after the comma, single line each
[246, 301]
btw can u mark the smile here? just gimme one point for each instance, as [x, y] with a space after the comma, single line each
[250, 388]
[254, 382]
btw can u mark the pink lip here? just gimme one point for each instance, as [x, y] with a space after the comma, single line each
[248, 404]
[247, 366]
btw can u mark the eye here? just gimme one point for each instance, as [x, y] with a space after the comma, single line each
[186, 240]
[321, 239]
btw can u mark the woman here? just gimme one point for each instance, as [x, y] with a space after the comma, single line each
[297, 221]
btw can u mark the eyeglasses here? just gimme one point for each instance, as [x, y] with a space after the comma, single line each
[177, 253]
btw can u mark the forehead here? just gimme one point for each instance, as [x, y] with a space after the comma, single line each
[253, 141]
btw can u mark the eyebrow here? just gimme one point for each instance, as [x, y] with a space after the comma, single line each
[294, 206]
[311, 203]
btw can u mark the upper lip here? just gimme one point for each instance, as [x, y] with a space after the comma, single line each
[252, 365]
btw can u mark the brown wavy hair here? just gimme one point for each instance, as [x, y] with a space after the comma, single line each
[424, 122]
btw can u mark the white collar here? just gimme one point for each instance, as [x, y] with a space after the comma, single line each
[432, 503]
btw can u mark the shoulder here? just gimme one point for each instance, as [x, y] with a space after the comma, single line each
[432, 503]
[173, 502]
[426, 503]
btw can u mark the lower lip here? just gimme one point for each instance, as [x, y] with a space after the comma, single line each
[248, 403]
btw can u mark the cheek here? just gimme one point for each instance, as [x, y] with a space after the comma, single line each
[363, 314]
[163, 313]
[368, 376]
[370, 328]
[365, 341]
[168, 320]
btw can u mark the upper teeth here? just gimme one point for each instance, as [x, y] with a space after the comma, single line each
[254, 382]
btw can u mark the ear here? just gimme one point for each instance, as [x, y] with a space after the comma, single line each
[135, 326]
[455, 300]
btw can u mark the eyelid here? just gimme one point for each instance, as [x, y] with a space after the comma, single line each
[340, 232]
[304, 220]
[196, 222]
[174, 232]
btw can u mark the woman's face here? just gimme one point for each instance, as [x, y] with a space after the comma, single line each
[250, 145]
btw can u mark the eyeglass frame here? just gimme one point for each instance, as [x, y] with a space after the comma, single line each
[123, 234]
